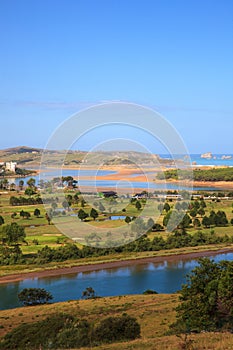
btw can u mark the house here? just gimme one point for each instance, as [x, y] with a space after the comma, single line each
[11, 166]
[108, 194]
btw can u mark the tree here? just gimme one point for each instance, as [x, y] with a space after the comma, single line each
[27, 215]
[48, 218]
[94, 213]
[1, 220]
[193, 212]
[206, 221]
[13, 233]
[138, 205]
[201, 212]
[89, 293]
[29, 191]
[82, 215]
[221, 219]
[196, 222]
[34, 296]
[21, 183]
[31, 182]
[24, 214]
[202, 203]
[167, 207]
[206, 298]
[37, 212]
[176, 219]
[128, 219]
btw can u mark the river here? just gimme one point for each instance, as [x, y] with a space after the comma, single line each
[92, 183]
[166, 277]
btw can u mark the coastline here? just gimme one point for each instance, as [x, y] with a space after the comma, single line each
[89, 267]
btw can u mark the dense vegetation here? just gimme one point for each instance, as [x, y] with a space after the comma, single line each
[64, 331]
[214, 174]
[206, 299]
[179, 239]
[34, 296]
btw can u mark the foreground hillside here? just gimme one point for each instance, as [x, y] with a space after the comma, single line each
[153, 312]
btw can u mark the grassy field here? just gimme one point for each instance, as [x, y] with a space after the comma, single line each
[39, 233]
[39, 230]
[154, 313]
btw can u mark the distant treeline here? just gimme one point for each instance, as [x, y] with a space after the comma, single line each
[176, 240]
[25, 201]
[214, 174]
[179, 239]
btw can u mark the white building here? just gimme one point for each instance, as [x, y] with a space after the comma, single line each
[10, 166]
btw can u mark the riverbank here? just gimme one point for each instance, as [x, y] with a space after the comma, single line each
[115, 262]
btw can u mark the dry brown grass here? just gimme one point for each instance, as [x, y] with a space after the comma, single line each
[153, 312]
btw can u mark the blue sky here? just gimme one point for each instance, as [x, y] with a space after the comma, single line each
[59, 56]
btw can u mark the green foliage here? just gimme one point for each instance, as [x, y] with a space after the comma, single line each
[31, 182]
[138, 205]
[13, 233]
[166, 207]
[176, 219]
[25, 201]
[206, 298]
[64, 331]
[1, 220]
[128, 219]
[94, 213]
[114, 329]
[11, 255]
[37, 212]
[82, 215]
[214, 174]
[29, 191]
[89, 293]
[47, 254]
[34, 296]
[24, 214]
[59, 331]
[149, 291]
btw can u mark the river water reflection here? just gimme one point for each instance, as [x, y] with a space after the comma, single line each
[166, 277]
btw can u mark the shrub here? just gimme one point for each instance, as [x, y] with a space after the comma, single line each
[117, 328]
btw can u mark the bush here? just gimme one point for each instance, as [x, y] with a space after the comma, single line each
[34, 296]
[64, 331]
[116, 329]
[149, 291]
[59, 331]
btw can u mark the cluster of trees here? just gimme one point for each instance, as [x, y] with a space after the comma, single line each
[215, 219]
[24, 214]
[178, 239]
[215, 174]
[82, 215]
[34, 296]
[206, 299]
[25, 201]
[10, 252]
[65, 331]
[178, 218]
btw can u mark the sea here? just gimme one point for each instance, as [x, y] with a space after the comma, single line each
[215, 160]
